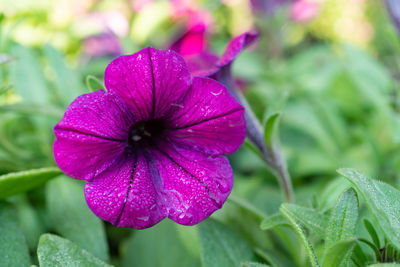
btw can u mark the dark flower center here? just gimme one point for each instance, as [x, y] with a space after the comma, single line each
[146, 132]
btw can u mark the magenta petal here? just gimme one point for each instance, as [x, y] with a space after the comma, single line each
[125, 194]
[194, 184]
[209, 119]
[150, 81]
[192, 42]
[235, 46]
[202, 64]
[91, 134]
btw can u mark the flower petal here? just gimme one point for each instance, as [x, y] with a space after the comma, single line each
[125, 194]
[192, 42]
[150, 81]
[202, 64]
[235, 46]
[209, 119]
[194, 184]
[91, 134]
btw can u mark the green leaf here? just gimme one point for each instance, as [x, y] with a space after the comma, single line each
[338, 253]
[383, 201]
[287, 211]
[272, 221]
[13, 248]
[242, 203]
[342, 223]
[29, 221]
[330, 194]
[221, 246]
[54, 251]
[67, 82]
[27, 77]
[71, 217]
[252, 264]
[158, 246]
[271, 128]
[19, 182]
[310, 218]
[94, 84]
[371, 230]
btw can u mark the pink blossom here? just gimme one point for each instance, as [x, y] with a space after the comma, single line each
[304, 10]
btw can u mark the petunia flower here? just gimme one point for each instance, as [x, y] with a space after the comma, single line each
[205, 63]
[153, 145]
[304, 10]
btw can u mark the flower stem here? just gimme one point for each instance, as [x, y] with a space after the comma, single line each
[272, 156]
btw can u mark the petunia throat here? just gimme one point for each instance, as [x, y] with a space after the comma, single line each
[145, 133]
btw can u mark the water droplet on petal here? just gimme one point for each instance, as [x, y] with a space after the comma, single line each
[223, 186]
[143, 218]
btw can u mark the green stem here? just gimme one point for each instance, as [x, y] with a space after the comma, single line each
[272, 157]
[300, 232]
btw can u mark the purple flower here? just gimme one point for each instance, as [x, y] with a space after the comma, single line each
[152, 146]
[207, 64]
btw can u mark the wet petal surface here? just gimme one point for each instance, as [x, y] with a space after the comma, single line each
[91, 134]
[209, 119]
[125, 194]
[194, 184]
[150, 81]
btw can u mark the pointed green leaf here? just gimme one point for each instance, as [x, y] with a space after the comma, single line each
[94, 84]
[288, 213]
[338, 253]
[13, 247]
[310, 218]
[54, 251]
[221, 246]
[342, 223]
[272, 221]
[383, 201]
[19, 182]
[270, 128]
[371, 230]
[71, 217]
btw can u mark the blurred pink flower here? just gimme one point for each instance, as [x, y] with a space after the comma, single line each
[102, 45]
[191, 42]
[304, 10]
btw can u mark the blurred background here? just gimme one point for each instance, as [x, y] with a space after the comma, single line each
[331, 67]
